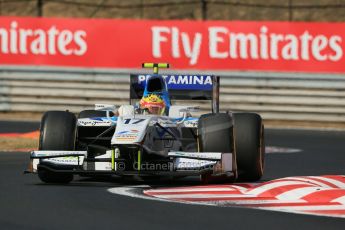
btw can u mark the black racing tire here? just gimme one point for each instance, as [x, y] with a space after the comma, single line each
[93, 113]
[249, 145]
[215, 134]
[57, 132]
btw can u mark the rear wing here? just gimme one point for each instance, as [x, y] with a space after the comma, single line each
[181, 87]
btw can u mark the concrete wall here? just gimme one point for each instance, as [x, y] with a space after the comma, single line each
[282, 10]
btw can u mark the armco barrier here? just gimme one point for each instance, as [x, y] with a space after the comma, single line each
[276, 96]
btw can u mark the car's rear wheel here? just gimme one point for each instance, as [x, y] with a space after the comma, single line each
[249, 145]
[57, 132]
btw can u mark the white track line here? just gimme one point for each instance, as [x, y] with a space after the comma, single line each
[275, 184]
[181, 190]
[340, 200]
[131, 192]
[264, 202]
[307, 180]
[296, 194]
[337, 183]
[203, 196]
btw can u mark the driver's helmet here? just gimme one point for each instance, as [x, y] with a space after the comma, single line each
[153, 103]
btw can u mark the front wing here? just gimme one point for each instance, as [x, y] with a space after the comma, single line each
[176, 164]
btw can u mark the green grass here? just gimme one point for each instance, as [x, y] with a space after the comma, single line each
[16, 144]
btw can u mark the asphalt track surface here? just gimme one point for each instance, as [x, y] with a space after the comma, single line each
[26, 203]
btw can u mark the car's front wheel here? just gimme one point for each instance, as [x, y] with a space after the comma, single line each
[215, 134]
[57, 132]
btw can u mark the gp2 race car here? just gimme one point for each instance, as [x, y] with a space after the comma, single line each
[129, 141]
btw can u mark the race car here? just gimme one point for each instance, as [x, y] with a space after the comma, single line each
[152, 136]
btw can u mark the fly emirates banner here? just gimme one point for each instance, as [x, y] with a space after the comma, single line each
[200, 45]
